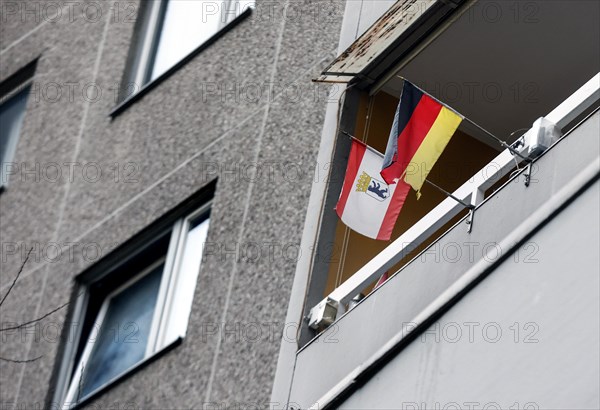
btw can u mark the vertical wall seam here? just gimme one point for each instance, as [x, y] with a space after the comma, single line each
[245, 213]
[63, 204]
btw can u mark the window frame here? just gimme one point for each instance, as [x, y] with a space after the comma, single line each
[166, 294]
[20, 82]
[95, 331]
[143, 50]
[153, 16]
[159, 342]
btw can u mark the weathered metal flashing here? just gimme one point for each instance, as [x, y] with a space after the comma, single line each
[384, 43]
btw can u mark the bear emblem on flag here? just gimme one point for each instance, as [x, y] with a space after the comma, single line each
[375, 188]
[368, 205]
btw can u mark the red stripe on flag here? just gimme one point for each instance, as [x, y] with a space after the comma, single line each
[356, 155]
[391, 215]
[412, 136]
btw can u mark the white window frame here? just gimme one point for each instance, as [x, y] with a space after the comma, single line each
[172, 286]
[147, 42]
[166, 307]
[95, 331]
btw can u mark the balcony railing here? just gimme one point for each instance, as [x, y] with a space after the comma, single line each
[545, 132]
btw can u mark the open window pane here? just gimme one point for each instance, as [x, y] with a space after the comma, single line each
[122, 338]
[187, 277]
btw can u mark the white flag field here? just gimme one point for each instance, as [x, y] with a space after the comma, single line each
[367, 204]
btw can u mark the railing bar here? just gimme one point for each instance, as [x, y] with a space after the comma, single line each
[413, 237]
[578, 102]
[425, 227]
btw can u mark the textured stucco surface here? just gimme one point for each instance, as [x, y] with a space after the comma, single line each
[169, 136]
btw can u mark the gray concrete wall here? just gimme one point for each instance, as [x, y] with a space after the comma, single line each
[169, 136]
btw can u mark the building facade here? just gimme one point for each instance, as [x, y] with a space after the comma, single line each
[169, 176]
[236, 125]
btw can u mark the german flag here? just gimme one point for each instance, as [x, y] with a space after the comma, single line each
[421, 130]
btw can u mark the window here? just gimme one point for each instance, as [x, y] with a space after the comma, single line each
[171, 30]
[12, 111]
[138, 308]
[130, 307]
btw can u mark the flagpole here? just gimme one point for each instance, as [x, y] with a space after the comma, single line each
[368, 147]
[479, 127]
[442, 190]
[501, 142]
[470, 207]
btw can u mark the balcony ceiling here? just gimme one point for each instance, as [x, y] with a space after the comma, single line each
[504, 64]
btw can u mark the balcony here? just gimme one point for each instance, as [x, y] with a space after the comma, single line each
[455, 271]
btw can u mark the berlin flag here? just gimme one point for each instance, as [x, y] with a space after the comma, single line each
[367, 204]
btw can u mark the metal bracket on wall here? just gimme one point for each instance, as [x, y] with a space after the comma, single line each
[470, 220]
[527, 174]
[542, 135]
